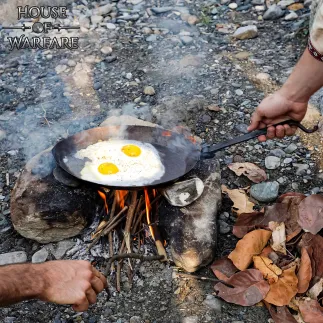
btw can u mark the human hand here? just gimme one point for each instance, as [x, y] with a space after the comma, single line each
[275, 109]
[71, 282]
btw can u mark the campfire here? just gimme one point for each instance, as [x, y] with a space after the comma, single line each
[133, 217]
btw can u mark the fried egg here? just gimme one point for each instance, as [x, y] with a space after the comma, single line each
[121, 163]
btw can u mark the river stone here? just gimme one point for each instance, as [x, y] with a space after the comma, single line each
[16, 257]
[213, 303]
[290, 148]
[190, 319]
[45, 210]
[246, 32]
[265, 192]
[194, 230]
[103, 10]
[272, 162]
[277, 152]
[40, 256]
[273, 12]
[2, 134]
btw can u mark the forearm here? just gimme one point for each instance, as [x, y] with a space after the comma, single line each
[305, 80]
[20, 282]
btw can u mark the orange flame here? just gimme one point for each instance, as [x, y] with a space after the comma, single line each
[166, 133]
[121, 197]
[104, 198]
[148, 209]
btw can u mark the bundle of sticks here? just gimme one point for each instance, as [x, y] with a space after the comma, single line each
[130, 218]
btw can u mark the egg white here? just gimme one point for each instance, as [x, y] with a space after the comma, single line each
[133, 171]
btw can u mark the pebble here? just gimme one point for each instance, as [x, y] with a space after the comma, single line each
[60, 68]
[15, 257]
[224, 227]
[159, 10]
[190, 319]
[263, 77]
[110, 59]
[103, 10]
[151, 38]
[20, 90]
[288, 160]
[39, 256]
[258, 2]
[265, 192]
[97, 86]
[277, 152]
[149, 90]
[272, 162]
[71, 63]
[291, 16]
[213, 303]
[246, 32]
[260, 8]
[106, 50]
[147, 31]
[241, 127]
[233, 6]
[285, 3]
[61, 248]
[213, 107]
[186, 40]
[273, 12]
[301, 168]
[49, 57]
[84, 22]
[295, 186]
[136, 319]
[238, 92]
[96, 19]
[290, 148]
[243, 55]
[111, 26]
[2, 134]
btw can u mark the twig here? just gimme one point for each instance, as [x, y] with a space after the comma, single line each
[110, 233]
[132, 256]
[203, 278]
[130, 214]
[44, 116]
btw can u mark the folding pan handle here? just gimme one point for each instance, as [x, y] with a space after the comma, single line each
[208, 151]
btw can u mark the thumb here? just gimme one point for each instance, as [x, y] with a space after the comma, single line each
[255, 121]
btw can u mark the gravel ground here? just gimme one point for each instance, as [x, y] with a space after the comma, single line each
[165, 70]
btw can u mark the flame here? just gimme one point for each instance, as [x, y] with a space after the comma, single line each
[121, 197]
[166, 133]
[104, 198]
[148, 209]
[192, 139]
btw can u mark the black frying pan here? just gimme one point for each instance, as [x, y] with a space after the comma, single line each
[179, 153]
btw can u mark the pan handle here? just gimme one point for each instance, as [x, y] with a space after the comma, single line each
[208, 151]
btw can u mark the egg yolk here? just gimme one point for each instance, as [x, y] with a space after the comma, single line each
[108, 169]
[131, 150]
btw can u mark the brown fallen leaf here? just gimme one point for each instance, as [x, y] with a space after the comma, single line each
[311, 311]
[311, 213]
[249, 288]
[316, 290]
[284, 289]
[295, 6]
[250, 245]
[278, 236]
[223, 268]
[314, 247]
[280, 314]
[269, 270]
[252, 171]
[266, 251]
[241, 203]
[304, 274]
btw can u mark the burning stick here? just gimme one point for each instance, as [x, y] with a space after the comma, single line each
[110, 233]
[154, 229]
[131, 212]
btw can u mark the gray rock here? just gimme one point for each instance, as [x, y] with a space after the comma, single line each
[258, 2]
[103, 10]
[159, 10]
[307, 3]
[16, 257]
[110, 59]
[95, 19]
[60, 68]
[243, 128]
[40, 256]
[273, 12]
[136, 319]
[61, 248]
[186, 40]
[285, 3]
[291, 148]
[2, 134]
[238, 92]
[272, 162]
[295, 186]
[246, 32]
[71, 63]
[224, 227]
[190, 319]
[288, 160]
[151, 38]
[106, 50]
[291, 16]
[213, 303]
[206, 118]
[301, 168]
[277, 153]
[149, 90]
[97, 86]
[265, 192]
[85, 22]
[111, 26]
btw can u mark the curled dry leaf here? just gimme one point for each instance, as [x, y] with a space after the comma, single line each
[250, 245]
[311, 213]
[248, 289]
[304, 274]
[311, 311]
[314, 247]
[282, 291]
[278, 236]
[269, 270]
[266, 252]
[252, 171]
[316, 289]
[241, 203]
[223, 268]
[280, 314]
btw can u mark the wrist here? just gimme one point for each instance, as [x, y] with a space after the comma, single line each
[294, 94]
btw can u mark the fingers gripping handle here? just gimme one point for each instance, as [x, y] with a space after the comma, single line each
[208, 151]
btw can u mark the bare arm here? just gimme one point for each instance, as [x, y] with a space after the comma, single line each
[290, 102]
[63, 282]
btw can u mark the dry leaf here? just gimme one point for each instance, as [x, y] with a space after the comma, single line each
[295, 6]
[223, 268]
[304, 274]
[311, 213]
[241, 203]
[247, 222]
[316, 290]
[266, 251]
[267, 268]
[280, 314]
[311, 311]
[252, 171]
[278, 236]
[284, 289]
[248, 289]
[314, 247]
[250, 245]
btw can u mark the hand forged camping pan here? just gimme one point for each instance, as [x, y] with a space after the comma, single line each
[179, 153]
